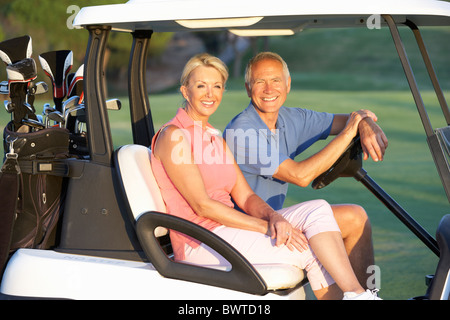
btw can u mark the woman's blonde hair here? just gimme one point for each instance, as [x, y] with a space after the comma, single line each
[207, 60]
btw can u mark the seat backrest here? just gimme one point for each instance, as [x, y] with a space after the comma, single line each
[139, 183]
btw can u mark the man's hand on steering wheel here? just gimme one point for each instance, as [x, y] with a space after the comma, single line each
[373, 140]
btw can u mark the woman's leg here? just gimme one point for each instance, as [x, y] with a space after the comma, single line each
[329, 249]
[315, 218]
[259, 248]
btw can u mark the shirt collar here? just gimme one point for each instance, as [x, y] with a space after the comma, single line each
[260, 124]
[185, 121]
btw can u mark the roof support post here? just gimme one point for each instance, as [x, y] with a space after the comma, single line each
[409, 74]
[141, 118]
[98, 129]
[430, 69]
[436, 149]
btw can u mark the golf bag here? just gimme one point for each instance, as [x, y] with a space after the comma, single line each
[41, 184]
[32, 177]
[32, 188]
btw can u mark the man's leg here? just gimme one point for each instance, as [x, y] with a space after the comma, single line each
[357, 235]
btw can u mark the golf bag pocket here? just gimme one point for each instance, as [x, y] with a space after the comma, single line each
[41, 186]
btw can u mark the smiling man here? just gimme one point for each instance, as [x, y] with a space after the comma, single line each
[282, 133]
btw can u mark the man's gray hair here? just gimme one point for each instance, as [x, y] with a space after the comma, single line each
[263, 56]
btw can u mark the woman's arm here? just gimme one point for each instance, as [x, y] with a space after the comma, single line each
[185, 175]
[278, 227]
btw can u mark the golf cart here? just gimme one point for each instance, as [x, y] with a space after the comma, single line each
[112, 238]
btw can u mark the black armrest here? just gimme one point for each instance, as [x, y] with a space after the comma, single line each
[242, 276]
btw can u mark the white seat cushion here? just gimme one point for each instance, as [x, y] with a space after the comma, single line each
[280, 276]
[139, 182]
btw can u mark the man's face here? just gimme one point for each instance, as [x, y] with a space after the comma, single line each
[269, 86]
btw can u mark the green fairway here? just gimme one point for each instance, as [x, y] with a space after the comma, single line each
[407, 174]
[354, 70]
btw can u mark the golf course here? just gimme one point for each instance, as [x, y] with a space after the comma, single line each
[340, 71]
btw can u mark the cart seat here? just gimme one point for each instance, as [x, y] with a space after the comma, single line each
[143, 195]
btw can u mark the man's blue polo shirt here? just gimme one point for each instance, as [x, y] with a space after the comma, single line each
[259, 151]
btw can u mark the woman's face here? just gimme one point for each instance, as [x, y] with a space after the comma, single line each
[203, 92]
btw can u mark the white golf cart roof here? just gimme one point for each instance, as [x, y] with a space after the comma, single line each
[280, 15]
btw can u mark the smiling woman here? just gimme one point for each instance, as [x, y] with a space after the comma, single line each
[203, 84]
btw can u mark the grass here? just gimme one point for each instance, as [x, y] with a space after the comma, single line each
[359, 59]
[341, 71]
[407, 174]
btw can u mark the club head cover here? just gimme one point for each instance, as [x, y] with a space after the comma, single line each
[56, 65]
[75, 84]
[16, 49]
[22, 71]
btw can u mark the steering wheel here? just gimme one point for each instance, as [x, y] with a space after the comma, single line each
[347, 165]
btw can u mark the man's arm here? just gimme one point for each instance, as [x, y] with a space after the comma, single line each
[302, 173]
[374, 142]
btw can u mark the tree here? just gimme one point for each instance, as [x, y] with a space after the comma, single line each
[48, 23]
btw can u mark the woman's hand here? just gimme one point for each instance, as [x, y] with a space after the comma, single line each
[281, 230]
